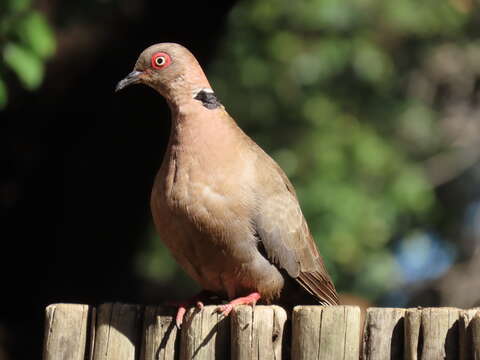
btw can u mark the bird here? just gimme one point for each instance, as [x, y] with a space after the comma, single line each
[223, 207]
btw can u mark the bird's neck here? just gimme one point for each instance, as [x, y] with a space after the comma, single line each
[194, 121]
[198, 129]
[198, 118]
[180, 92]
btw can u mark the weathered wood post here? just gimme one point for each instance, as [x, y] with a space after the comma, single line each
[131, 332]
[383, 334]
[117, 332]
[160, 340]
[412, 333]
[440, 333]
[432, 333]
[331, 332]
[257, 333]
[65, 332]
[204, 335]
[466, 336]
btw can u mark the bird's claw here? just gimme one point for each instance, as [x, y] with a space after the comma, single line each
[246, 300]
[182, 309]
[180, 315]
[225, 309]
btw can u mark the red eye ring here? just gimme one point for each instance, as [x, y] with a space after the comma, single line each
[161, 60]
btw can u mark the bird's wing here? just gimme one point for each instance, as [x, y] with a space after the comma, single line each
[285, 236]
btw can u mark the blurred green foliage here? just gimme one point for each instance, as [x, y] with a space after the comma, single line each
[26, 42]
[321, 85]
[325, 86]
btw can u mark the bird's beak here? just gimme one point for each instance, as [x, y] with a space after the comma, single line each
[130, 79]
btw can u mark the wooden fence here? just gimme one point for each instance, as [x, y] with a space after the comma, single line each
[134, 332]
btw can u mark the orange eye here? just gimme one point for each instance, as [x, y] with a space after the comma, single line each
[161, 60]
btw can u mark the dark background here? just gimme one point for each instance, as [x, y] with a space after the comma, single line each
[78, 162]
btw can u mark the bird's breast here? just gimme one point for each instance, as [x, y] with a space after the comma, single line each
[212, 194]
[203, 217]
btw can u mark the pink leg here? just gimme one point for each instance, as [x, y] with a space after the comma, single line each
[246, 300]
[183, 305]
[182, 309]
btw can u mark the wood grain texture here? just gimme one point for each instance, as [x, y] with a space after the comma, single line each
[331, 332]
[257, 333]
[117, 332]
[439, 330]
[65, 332]
[413, 320]
[476, 335]
[132, 332]
[306, 332]
[466, 350]
[383, 334]
[159, 340]
[205, 335]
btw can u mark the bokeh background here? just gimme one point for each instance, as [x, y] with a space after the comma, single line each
[371, 107]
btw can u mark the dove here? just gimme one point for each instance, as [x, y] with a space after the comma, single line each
[223, 207]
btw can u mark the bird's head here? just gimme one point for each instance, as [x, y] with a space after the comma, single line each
[169, 68]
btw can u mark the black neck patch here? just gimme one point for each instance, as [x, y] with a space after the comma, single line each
[208, 99]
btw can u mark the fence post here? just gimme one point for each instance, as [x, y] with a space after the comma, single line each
[465, 332]
[65, 332]
[413, 321]
[383, 334]
[117, 331]
[160, 340]
[331, 332]
[257, 333]
[439, 328]
[204, 335]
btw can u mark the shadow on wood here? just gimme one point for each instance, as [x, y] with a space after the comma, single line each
[383, 333]
[204, 335]
[159, 340]
[135, 332]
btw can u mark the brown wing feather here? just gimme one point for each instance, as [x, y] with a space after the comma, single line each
[321, 287]
[285, 236]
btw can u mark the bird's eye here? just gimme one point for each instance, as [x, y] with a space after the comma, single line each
[160, 60]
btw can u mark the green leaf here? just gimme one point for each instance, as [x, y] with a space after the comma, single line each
[26, 64]
[36, 34]
[3, 94]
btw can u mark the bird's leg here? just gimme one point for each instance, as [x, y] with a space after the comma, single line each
[246, 300]
[183, 305]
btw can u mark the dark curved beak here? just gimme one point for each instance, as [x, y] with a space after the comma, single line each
[130, 79]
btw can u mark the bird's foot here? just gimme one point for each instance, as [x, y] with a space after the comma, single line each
[246, 300]
[182, 309]
[183, 305]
